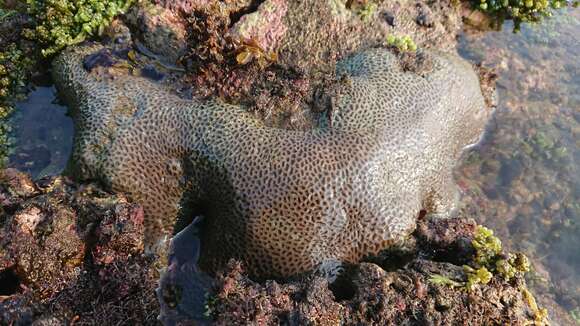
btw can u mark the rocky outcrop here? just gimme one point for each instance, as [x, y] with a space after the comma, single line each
[73, 254]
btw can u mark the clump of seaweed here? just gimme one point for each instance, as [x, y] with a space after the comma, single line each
[476, 276]
[575, 313]
[489, 261]
[402, 43]
[488, 256]
[521, 11]
[60, 23]
[487, 246]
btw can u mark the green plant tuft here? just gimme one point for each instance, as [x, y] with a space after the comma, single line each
[60, 23]
[403, 44]
[521, 11]
[476, 276]
[487, 246]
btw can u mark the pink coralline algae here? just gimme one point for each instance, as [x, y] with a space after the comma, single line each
[184, 6]
[265, 26]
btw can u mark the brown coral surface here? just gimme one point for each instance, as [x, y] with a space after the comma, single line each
[282, 201]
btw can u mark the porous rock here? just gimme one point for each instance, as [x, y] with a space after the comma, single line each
[69, 253]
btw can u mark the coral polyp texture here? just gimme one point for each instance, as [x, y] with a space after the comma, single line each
[282, 201]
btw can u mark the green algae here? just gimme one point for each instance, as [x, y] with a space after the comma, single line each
[60, 23]
[487, 246]
[575, 313]
[367, 11]
[513, 264]
[402, 43]
[540, 314]
[55, 24]
[488, 255]
[364, 9]
[6, 13]
[487, 261]
[476, 276]
[443, 280]
[520, 11]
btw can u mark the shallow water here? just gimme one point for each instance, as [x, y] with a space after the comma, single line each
[43, 134]
[523, 180]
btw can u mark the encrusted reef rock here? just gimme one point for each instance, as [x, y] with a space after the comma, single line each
[109, 281]
[299, 42]
[422, 282]
[283, 201]
[69, 253]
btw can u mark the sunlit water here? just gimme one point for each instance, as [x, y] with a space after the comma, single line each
[523, 181]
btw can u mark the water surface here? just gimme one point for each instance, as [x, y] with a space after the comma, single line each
[524, 181]
[43, 134]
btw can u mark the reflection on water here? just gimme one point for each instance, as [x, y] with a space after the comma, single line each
[183, 288]
[523, 181]
[43, 134]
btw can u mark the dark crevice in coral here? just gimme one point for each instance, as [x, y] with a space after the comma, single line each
[343, 287]
[237, 15]
[422, 214]
[9, 282]
[392, 259]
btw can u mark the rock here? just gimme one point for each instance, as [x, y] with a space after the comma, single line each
[103, 267]
[371, 295]
[162, 31]
[19, 184]
[265, 25]
[69, 253]
[425, 16]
